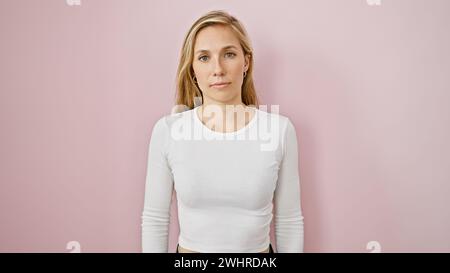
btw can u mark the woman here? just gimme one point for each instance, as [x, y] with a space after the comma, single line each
[227, 181]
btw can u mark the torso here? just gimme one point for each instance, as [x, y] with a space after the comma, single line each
[239, 126]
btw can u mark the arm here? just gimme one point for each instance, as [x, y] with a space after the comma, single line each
[158, 192]
[288, 213]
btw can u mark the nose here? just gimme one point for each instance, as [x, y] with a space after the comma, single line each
[218, 68]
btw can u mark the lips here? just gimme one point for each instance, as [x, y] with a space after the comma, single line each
[220, 84]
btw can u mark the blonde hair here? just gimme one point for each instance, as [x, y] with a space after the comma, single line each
[187, 89]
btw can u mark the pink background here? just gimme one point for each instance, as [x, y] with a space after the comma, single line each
[367, 88]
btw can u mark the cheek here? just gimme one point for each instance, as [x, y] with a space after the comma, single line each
[238, 75]
[238, 69]
[201, 73]
[198, 69]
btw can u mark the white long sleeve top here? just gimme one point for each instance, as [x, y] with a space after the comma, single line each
[228, 185]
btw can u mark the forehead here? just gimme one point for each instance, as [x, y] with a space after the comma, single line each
[215, 37]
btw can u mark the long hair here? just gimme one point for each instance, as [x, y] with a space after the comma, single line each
[187, 89]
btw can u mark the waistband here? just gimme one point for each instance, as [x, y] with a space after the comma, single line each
[270, 248]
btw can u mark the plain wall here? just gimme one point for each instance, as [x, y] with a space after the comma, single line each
[366, 86]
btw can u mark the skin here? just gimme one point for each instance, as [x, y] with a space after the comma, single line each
[185, 250]
[221, 64]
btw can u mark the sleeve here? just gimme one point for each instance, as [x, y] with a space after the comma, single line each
[158, 192]
[289, 233]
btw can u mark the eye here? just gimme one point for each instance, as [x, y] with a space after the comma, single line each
[226, 54]
[201, 58]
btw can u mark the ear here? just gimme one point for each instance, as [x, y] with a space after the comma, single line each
[247, 61]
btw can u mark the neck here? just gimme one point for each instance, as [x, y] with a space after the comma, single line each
[222, 109]
[219, 116]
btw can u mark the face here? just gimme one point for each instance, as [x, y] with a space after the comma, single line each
[219, 58]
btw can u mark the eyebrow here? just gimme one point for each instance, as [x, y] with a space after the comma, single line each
[224, 48]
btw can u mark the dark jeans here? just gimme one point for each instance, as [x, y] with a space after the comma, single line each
[270, 248]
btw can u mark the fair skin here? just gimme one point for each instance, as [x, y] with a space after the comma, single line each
[219, 57]
[214, 61]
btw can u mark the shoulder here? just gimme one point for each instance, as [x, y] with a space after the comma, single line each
[167, 121]
[283, 122]
[283, 125]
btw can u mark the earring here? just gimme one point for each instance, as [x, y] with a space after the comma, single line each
[194, 79]
[245, 74]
